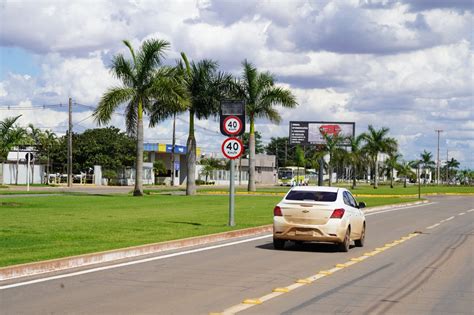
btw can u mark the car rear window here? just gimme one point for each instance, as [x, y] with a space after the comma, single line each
[323, 196]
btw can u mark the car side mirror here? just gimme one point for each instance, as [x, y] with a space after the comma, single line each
[362, 205]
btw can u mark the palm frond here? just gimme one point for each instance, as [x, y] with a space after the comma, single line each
[109, 102]
[149, 57]
[122, 69]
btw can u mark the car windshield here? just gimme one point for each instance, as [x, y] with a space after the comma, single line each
[322, 196]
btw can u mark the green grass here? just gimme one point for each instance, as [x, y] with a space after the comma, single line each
[364, 189]
[34, 229]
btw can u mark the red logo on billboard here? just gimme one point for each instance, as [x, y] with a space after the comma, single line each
[329, 130]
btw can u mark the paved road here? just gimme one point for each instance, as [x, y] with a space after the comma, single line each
[429, 273]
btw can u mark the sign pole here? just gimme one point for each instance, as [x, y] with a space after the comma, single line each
[28, 172]
[231, 193]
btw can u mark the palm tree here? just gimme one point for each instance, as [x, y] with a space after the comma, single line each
[427, 162]
[261, 95]
[7, 140]
[206, 87]
[19, 136]
[392, 163]
[356, 156]
[404, 169]
[332, 147]
[48, 139]
[147, 87]
[378, 142]
[35, 135]
[451, 164]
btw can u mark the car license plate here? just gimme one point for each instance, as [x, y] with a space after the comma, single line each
[304, 232]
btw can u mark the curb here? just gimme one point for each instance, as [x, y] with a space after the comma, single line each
[36, 268]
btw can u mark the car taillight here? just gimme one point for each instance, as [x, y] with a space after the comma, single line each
[337, 213]
[277, 212]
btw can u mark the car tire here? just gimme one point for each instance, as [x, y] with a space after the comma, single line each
[360, 242]
[278, 244]
[345, 245]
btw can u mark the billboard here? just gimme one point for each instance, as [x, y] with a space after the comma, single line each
[311, 132]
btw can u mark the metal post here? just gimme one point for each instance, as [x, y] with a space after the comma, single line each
[173, 169]
[28, 172]
[419, 181]
[437, 160]
[231, 194]
[69, 147]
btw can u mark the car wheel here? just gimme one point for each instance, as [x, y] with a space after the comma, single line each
[360, 242]
[344, 246]
[278, 244]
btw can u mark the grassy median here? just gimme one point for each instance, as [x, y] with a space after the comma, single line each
[40, 228]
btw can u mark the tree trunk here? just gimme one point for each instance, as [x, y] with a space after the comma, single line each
[405, 182]
[391, 178]
[251, 185]
[354, 182]
[138, 190]
[330, 170]
[376, 176]
[191, 158]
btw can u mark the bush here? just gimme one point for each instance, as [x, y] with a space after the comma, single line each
[202, 182]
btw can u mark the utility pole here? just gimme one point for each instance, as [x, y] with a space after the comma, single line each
[173, 168]
[69, 147]
[437, 159]
[447, 168]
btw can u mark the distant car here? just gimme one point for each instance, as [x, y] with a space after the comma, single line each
[329, 130]
[319, 214]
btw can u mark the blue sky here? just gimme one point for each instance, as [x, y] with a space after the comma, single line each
[17, 60]
[405, 65]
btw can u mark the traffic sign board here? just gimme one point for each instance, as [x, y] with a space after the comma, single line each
[236, 109]
[232, 148]
[232, 125]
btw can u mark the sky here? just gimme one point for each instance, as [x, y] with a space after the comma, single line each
[405, 65]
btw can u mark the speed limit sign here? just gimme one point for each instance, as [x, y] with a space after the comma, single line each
[232, 148]
[232, 125]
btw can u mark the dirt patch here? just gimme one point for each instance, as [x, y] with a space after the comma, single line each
[10, 204]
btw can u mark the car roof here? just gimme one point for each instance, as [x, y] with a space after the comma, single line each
[316, 188]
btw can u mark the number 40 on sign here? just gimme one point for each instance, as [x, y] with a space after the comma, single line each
[232, 148]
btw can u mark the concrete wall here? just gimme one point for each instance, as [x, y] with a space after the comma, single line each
[9, 173]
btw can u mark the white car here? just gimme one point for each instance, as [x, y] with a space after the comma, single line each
[319, 214]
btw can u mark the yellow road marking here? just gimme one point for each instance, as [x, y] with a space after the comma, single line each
[282, 290]
[247, 303]
[252, 301]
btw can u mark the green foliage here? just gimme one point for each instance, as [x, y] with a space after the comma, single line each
[159, 168]
[8, 137]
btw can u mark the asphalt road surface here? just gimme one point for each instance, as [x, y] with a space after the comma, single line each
[427, 272]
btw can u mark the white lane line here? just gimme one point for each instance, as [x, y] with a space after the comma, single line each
[450, 218]
[398, 209]
[462, 213]
[470, 210]
[9, 286]
[433, 226]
